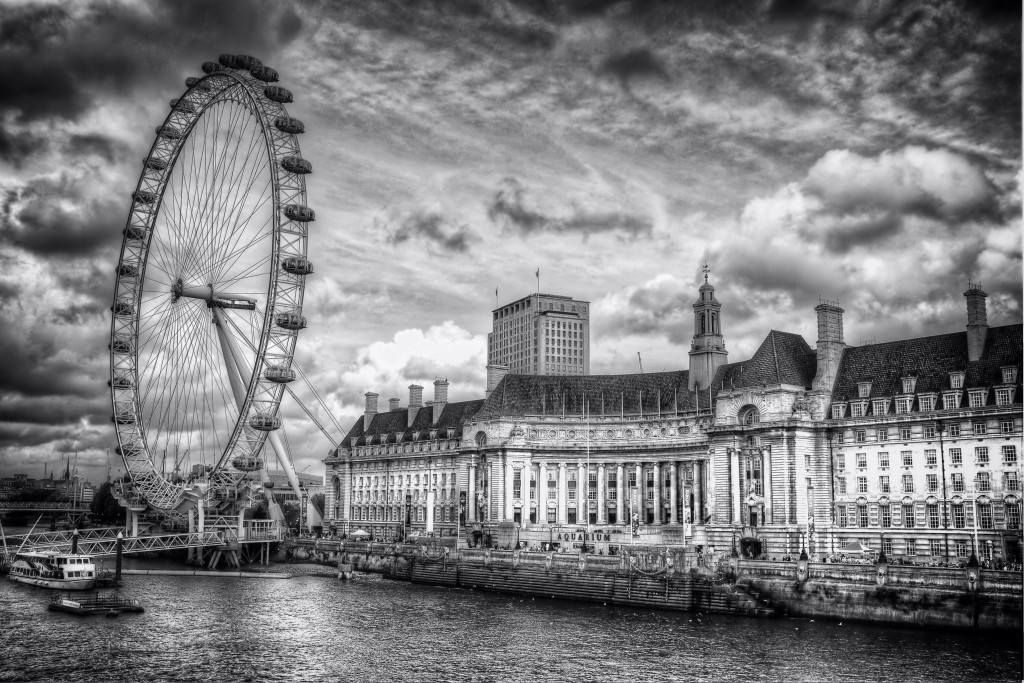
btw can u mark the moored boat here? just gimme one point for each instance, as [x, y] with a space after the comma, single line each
[94, 604]
[52, 569]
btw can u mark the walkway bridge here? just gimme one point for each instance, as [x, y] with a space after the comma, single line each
[65, 506]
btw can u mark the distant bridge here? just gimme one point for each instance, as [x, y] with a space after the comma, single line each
[104, 541]
[42, 506]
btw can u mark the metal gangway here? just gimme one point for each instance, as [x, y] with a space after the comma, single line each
[104, 541]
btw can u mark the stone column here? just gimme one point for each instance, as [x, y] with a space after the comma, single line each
[430, 508]
[562, 494]
[673, 494]
[602, 487]
[509, 475]
[657, 493]
[698, 490]
[766, 473]
[582, 488]
[640, 501]
[471, 494]
[620, 482]
[542, 493]
[734, 485]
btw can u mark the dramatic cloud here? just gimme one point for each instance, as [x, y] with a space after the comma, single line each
[867, 152]
[433, 228]
[508, 209]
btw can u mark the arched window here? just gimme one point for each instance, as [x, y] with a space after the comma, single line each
[748, 415]
[703, 323]
[481, 439]
[714, 323]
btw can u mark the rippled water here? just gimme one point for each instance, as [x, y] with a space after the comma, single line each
[371, 629]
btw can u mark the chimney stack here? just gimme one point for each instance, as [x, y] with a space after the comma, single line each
[830, 344]
[440, 398]
[370, 410]
[394, 404]
[495, 373]
[977, 321]
[415, 402]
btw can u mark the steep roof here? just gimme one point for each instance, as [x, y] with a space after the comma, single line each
[453, 416]
[782, 358]
[650, 394]
[930, 359]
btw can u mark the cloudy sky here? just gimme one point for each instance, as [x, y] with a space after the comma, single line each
[867, 152]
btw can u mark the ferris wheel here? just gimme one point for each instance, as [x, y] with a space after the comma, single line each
[209, 288]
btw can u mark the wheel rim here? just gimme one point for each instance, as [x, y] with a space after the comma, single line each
[217, 233]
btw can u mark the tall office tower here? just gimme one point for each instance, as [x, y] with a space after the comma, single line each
[541, 334]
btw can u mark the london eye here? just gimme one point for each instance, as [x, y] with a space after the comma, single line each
[209, 289]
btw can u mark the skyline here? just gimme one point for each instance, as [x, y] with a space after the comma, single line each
[803, 150]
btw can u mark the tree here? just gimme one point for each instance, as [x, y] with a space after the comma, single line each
[105, 508]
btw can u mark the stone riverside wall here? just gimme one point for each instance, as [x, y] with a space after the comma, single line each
[893, 594]
[669, 579]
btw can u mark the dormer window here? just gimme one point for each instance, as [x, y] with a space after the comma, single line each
[951, 400]
[880, 406]
[863, 389]
[909, 384]
[451, 433]
[926, 402]
[977, 398]
[903, 405]
[1010, 374]
[838, 410]
[858, 408]
[956, 380]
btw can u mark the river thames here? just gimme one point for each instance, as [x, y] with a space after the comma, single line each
[313, 628]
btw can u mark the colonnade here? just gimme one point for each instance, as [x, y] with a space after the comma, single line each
[619, 496]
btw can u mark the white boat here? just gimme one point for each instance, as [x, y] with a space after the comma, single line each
[52, 569]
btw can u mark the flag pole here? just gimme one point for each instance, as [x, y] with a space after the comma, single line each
[538, 280]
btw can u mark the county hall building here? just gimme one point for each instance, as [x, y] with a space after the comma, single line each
[911, 446]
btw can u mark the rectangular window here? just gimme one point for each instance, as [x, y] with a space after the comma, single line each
[928, 431]
[860, 435]
[886, 515]
[856, 410]
[933, 516]
[961, 549]
[908, 458]
[862, 515]
[981, 455]
[632, 479]
[883, 484]
[956, 380]
[841, 461]
[903, 405]
[909, 384]
[933, 483]
[956, 456]
[862, 460]
[958, 482]
[984, 515]
[650, 486]
[592, 486]
[863, 389]
[930, 457]
[908, 483]
[842, 515]
[1012, 515]
[883, 459]
[980, 428]
[517, 484]
[959, 518]
[840, 437]
[905, 434]
[570, 516]
[551, 515]
[533, 490]
[911, 547]
[862, 484]
[837, 412]
[1012, 481]
[950, 401]
[926, 403]
[1009, 455]
[954, 430]
[1009, 375]
[1006, 426]
[841, 485]
[1004, 397]
[887, 546]
[976, 399]
[984, 482]
[908, 516]
[552, 489]
[882, 434]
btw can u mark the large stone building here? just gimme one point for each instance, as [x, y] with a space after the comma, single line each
[911, 446]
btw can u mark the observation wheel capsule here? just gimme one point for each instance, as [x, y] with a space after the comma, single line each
[287, 124]
[154, 163]
[290, 320]
[302, 214]
[169, 132]
[212, 67]
[181, 104]
[247, 463]
[278, 94]
[134, 232]
[281, 375]
[264, 73]
[265, 423]
[297, 265]
[296, 164]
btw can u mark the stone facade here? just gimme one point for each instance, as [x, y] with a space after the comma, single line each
[770, 455]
